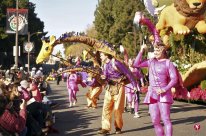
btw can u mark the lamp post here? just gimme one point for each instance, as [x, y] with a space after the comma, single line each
[30, 45]
[17, 27]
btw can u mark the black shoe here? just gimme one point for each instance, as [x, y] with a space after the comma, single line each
[132, 111]
[125, 109]
[103, 132]
[118, 131]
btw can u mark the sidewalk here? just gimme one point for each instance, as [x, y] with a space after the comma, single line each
[78, 121]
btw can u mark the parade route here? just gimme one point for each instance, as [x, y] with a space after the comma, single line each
[187, 119]
[103, 67]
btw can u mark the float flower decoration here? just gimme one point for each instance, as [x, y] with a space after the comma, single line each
[195, 94]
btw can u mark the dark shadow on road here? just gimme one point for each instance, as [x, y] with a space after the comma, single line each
[74, 123]
[186, 107]
[185, 121]
[188, 120]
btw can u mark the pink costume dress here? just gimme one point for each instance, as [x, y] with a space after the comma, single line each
[164, 78]
[130, 94]
[72, 87]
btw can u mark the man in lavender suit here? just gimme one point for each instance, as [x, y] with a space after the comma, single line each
[114, 72]
[159, 96]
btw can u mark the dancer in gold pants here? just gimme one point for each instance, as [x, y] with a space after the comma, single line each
[114, 73]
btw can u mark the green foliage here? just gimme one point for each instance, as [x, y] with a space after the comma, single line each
[203, 85]
[71, 50]
[114, 22]
[103, 18]
[188, 50]
[145, 71]
[91, 32]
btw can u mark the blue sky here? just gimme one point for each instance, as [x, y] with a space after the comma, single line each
[60, 16]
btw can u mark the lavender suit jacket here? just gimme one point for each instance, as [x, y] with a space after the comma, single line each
[111, 73]
[160, 77]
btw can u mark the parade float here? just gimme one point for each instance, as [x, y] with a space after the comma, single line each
[177, 21]
[95, 45]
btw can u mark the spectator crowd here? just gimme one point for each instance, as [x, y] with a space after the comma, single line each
[25, 109]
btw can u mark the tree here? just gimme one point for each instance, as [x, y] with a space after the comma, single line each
[114, 22]
[104, 19]
[72, 49]
[91, 31]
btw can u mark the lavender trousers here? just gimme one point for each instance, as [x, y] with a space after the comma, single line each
[72, 95]
[158, 111]
[132, 97]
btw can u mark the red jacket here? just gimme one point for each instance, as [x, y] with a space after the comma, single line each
[36, 93]
[13, 122]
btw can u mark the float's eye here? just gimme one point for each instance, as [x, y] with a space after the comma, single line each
[47, 48]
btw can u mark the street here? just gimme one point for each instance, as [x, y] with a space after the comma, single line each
[79, 121]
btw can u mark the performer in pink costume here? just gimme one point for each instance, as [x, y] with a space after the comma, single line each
[159, 95]
[133, 97]
[72, 86]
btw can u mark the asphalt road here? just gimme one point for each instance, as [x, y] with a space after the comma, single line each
[78, 121]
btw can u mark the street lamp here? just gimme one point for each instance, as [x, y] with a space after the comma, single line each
[30, 46]
[17, 29]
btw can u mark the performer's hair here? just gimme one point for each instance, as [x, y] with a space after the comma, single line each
[109, 56]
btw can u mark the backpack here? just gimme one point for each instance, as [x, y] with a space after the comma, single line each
[180, 91]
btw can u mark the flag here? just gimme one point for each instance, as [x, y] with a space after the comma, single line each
[11, 21]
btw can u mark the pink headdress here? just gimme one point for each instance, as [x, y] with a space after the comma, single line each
[140, 19]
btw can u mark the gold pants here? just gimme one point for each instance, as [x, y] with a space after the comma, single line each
[93, 95]
[116, 103]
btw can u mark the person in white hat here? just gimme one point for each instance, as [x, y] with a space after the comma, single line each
[33, 72]
[23, 88]
[24, 84]
[39, 72]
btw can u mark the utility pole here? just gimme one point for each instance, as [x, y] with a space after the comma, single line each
[17, 27]
[28, 52]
